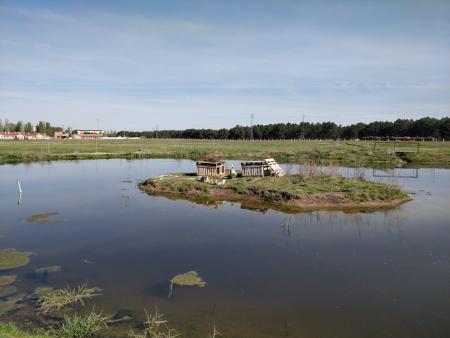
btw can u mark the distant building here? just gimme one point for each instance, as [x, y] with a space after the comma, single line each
[60, 135]
[17, 135]
[87, 134]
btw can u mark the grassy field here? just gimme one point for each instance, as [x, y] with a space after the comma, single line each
[350, 153]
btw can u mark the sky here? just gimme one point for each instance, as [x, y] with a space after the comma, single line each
[176, 64]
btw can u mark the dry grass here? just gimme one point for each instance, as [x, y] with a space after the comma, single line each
[56, 300]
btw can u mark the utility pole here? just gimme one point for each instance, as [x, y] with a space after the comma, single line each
[96, 138]
[251, 126]
[302, 135]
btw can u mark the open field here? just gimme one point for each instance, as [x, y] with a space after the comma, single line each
[349, 153]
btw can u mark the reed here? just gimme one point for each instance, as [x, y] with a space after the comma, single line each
[155, 326]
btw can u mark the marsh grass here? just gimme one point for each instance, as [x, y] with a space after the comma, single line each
[155, 326]
[56, 300]
[78, 326]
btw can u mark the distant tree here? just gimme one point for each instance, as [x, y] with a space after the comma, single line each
[19, 126]
[40, 128]
[28, 128]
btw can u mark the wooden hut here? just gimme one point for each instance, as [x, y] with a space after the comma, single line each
[268, 167]
[253, 168]
[211, 167]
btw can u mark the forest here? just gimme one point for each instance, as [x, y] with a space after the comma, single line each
[424, 127]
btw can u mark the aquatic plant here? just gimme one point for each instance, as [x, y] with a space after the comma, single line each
[6, 291]
[6, 280]
[42, 290]
[215, 333]
[48, 269]
[6, 307]
[42, 218]
[155, 326]
[11, 259]
[60, 298]
[77, 326]
[190, 278]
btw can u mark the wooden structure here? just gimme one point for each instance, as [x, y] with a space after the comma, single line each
[253, 168]
[268, 167]
[273, 167]
[212, 168]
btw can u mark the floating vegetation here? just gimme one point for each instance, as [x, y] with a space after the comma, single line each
[127, 181]
[48, 269]
[190, 278]
[41, 291]
[43, 218]
[155, 326]
[6, 280]
[6, 307]
[58, 299]
[6, 291]
[76, 326]
[11, 259]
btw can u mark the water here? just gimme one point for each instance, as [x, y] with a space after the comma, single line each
[315, 274]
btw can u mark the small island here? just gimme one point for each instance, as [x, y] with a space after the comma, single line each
[289, 193]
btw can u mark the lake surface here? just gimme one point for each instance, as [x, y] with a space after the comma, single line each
[314, 274]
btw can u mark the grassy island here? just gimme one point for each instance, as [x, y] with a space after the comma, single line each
[287, 193]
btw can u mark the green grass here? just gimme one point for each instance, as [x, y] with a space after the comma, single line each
[351, 153]
[79, 326]
[11, 331]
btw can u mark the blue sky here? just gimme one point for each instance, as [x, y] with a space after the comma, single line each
[196, 64]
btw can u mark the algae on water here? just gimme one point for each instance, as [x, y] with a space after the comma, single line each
[6, 280]
[48, 269]
[6, 307]
[190, 278]
[6, 291]
[11, 259]
[42, 290]
[43, 218]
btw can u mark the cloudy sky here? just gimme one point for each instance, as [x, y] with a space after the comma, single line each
[191, 64]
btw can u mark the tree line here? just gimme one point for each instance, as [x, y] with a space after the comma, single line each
[42, 127]
[424, 127]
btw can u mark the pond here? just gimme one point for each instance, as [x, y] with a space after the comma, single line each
[267, 274]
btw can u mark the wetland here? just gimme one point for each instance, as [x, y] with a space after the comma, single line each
[268, 273]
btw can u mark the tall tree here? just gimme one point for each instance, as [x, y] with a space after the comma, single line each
[28, 128]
